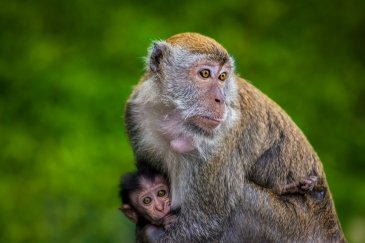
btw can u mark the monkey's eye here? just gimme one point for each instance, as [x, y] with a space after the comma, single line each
[161, 193]
[222, 76]
[147, 200]
[205, 73]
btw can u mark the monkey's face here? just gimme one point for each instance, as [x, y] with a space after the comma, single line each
[205, 107]
[192, 94]
[199, 90]
[153, 200]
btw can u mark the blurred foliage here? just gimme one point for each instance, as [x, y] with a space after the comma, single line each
[67, 68]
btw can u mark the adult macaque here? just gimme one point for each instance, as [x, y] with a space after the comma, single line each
[146, 202]
[226, 148]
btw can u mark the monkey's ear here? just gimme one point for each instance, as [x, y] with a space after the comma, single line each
[158, 52]
[129, 212]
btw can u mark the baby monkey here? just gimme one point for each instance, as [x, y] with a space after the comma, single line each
[146, 201]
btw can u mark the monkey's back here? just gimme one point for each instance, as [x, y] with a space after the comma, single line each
[280, 154]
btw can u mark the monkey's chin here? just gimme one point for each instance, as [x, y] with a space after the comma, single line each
[182, 144]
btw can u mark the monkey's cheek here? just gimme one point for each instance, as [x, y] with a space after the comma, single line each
[182, 145]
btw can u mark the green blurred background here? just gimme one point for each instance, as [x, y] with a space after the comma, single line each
[67, 68]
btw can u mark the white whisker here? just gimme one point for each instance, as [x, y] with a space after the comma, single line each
[192, 109]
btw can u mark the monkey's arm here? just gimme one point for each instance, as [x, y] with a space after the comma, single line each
[203, 216]
[152, 233]
[148, 233]
[194, 226]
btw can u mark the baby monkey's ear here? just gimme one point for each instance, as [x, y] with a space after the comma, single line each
[129, 212]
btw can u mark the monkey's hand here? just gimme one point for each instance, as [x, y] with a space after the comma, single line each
[152, 233]
[308, 183]
[169, 220]
[305, 185]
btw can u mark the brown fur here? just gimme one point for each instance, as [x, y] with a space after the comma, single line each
[225, 188]
[197, 43]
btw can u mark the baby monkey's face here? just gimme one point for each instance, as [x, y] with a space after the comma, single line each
[153, 200]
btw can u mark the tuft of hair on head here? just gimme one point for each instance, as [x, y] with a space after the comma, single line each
[131, 182]
[201, 44]
[192, 42]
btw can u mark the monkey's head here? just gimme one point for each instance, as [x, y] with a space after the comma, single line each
[145, 196]
[193, 77]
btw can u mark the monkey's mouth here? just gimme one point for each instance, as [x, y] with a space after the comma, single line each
[207, 122]
[158, 220]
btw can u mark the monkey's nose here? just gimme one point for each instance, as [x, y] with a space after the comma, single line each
[216, 94]
[159, 206]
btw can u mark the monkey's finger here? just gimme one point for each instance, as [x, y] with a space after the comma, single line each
[308, 186]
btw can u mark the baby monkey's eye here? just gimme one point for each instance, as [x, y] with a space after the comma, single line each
[147, 200]
[161, 193]
[222, 76]
[205, 73]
